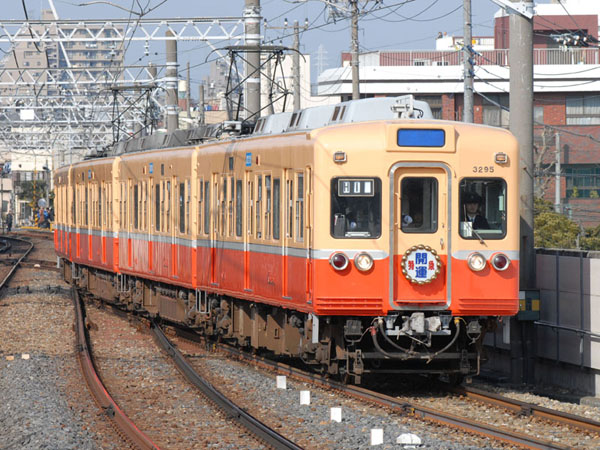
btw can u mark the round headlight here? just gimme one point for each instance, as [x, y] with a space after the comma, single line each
[476, 262]
[363, 262]
[500, 261]
[339, 261]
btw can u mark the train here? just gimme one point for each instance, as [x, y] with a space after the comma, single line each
[335, 235]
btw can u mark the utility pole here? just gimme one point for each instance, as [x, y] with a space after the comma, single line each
[522, 340]
[171, 82]
[189, 92]
[252, 40]
[354, 63]
[296, 64]
[557, 176]
[201, 103]
[468, 63]
[521, 125]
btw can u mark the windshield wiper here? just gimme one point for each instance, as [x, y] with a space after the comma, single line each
[481, 241]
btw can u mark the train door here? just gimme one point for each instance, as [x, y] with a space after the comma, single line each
[420, 237]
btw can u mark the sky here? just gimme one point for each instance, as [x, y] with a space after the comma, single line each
[398, 24]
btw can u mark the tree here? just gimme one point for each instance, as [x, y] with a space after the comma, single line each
[33, 191]
[552, 230]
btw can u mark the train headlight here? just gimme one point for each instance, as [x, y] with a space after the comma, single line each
[363, 262]
[476, 262]
[500, 261]
[339, 261]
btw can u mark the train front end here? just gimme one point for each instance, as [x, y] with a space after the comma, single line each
[420, 255]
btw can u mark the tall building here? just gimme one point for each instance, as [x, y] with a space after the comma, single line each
[566, 93]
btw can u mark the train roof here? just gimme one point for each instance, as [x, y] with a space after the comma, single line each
[368, 109]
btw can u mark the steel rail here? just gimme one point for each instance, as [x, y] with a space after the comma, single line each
[402, 407]
[256, 427]
[103, 398]
[528, 409]
[18, 262]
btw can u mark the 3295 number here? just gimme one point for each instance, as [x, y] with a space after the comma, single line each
[483, 169]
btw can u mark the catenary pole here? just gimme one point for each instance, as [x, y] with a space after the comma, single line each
[522, 353]
[468, 63]
[252, 39]
[355, 63]
[171, 82]
[296, 64]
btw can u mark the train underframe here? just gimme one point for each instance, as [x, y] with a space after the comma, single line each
[349, 347]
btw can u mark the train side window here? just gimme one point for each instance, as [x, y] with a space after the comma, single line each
[163, 196]
[100, 209]
[300, 208]
[145, 204]
[290, 208]
[110, 207]
[136, 193]
[157, 206]
[268, 207]
[482, 208]
[200, 206]
[188, 203]
[168, 207]
[250, 213]
[419, 205]
[223, 215]
[238, 208]
[259, 195]
[181, 207]
[230, 207]
[355, 208]
[85, 205]
[276, 207]
[206, 207]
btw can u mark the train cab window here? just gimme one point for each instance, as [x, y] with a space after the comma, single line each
[482, 213]
[355, 208]
[419, 205]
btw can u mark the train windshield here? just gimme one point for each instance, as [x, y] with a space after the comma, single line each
[356, 208]
[482, 212]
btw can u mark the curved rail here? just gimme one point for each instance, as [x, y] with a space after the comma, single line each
[103, 398]
[528, 409]
[256, 427]
[16, 264]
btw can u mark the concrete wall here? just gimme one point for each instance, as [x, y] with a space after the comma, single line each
[569, 284]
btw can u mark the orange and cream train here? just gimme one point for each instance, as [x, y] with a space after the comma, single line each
[341, 235]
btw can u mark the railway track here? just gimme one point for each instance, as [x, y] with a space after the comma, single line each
[13, 251]
[432, 414]
[125, 427]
